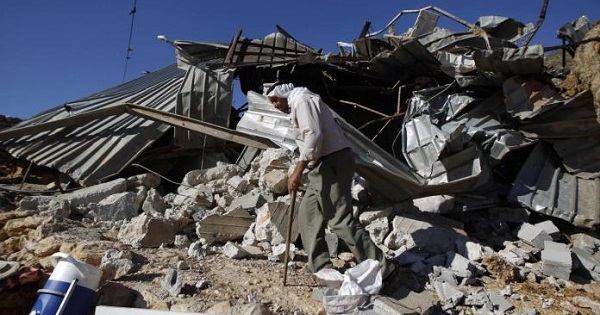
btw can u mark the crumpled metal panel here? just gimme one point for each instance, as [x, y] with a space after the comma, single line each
[543, 186]
[263, 120]
[574, 132]
[425, 24]
[99, 149]
[410, 55]
[575, 30]
[205, 95]
[495, 139]
[511, 61]
[199, 53]
[462, 40]
[499, 26]
[461, 172]
[527, 98]
[422, 143]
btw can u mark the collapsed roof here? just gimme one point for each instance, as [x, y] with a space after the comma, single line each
[430, 111]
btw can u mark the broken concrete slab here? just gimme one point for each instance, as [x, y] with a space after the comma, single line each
[227, 227]
[119, 206]
[147, 231]
[46, 205]
[94, 194]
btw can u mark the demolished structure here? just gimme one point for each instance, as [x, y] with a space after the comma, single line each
[472, 117]
[429, 112]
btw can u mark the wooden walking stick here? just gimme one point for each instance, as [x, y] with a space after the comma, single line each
[288, 235]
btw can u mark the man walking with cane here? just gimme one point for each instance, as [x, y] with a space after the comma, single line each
[325, 151]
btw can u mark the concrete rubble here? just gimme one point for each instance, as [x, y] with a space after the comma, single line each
[485, 174]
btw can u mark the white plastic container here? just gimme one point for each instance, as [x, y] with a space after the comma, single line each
[70, 288]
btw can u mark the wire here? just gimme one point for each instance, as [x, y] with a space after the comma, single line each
[159, 175]
[129, 49]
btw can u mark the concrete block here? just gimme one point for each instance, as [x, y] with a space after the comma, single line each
[448, 294]
[550, 228]
[585, 242]
[533, 235]
[227, 227]
[556, 259]
[250, 201]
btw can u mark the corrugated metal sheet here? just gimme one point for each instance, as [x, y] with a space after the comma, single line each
[461, 172]
[204, 95]
[542, 185]
[511, 61]
[574, 132]
[94, 151]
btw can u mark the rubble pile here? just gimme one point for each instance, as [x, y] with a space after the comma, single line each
[225, 211]
[477, 173]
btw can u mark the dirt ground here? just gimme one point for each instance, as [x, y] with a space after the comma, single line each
[215, 279]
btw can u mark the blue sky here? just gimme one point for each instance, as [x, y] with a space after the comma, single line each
[52, 52]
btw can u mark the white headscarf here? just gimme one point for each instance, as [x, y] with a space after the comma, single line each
[282, 90]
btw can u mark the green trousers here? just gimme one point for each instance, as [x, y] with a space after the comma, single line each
[328, 201]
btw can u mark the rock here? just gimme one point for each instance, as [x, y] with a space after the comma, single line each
[120, 206]
[46, 205]
[146, 231]
[116, 264]
[173, 282]
[154, 203]
[147, 180]
[79, 199]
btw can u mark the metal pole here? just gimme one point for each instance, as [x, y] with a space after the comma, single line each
[63, 304]
[288, 235]
[25, 176]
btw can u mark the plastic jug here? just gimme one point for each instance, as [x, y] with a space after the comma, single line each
[70, 288]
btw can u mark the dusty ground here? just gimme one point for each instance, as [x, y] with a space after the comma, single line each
[241, 282]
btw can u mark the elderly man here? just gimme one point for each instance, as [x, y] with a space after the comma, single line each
[328, 200]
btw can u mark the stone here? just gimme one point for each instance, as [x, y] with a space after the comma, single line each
[147, 180]
[196, 250]
[146, 231]
[116, 264]
[461, 266]
[173, 282]
[265, 230]
[439, 204]
[275, 180]
[249, 201]
[375, 213]
[154, 203]
[120, 206]
[238, 183]
[116, 294]
[181, 241]
[46, 205]
[80, 198]
[378, 229]
[234, 251]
